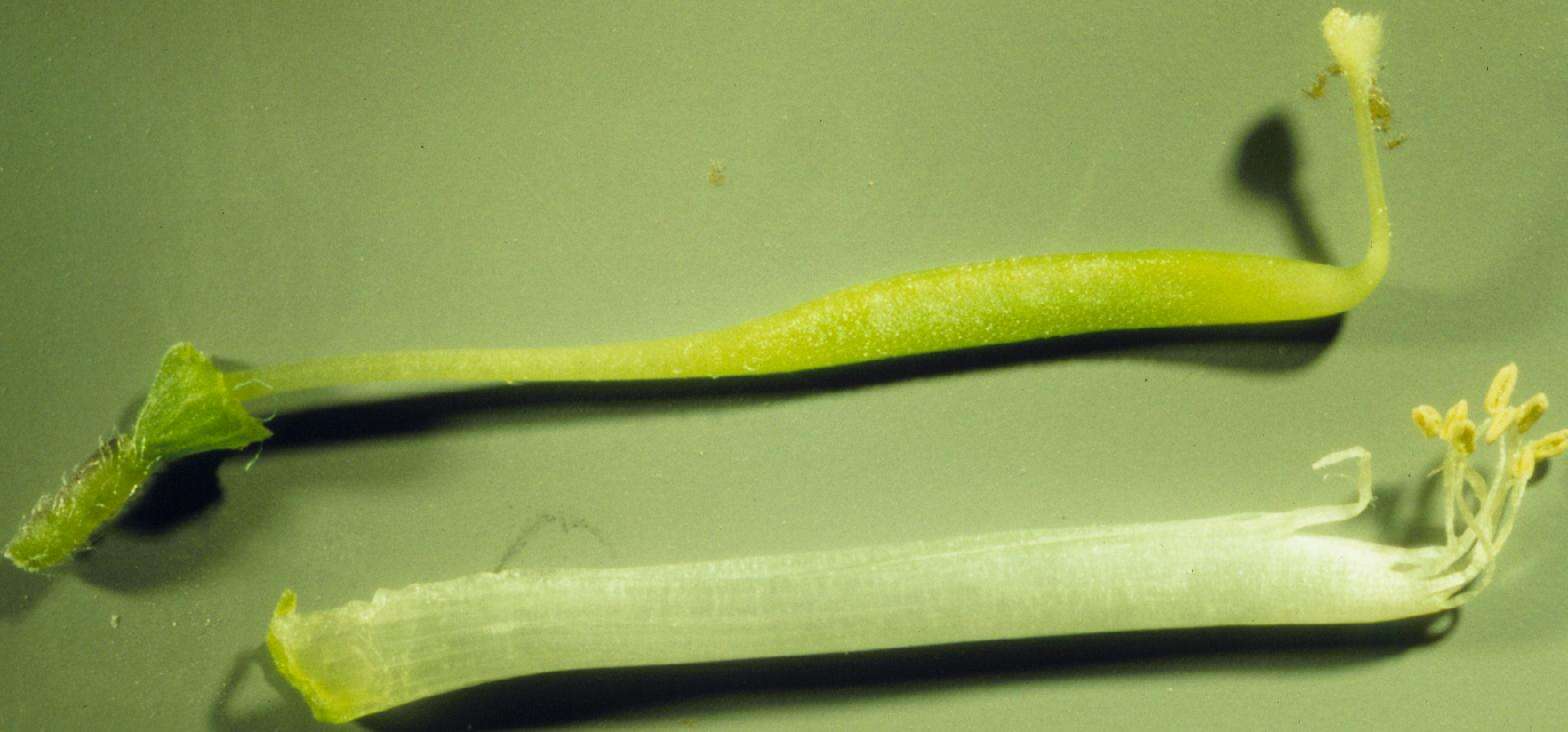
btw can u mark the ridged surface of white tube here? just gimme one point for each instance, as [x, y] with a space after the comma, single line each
[425, 639]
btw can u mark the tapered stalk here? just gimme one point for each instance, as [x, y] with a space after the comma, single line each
[989, 303]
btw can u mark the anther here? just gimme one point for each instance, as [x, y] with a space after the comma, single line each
[1502, 389]
[1501, 421]
[1531, 410]
[1427, 420]
[1456, 414]
[1462, 436]
[1523, 465]
[1550, 446]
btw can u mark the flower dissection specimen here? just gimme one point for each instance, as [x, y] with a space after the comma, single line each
[963, 306]
[1248, 569]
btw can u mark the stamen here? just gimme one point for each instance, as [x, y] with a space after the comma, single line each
[1550, 446]
[1462, 436]
[1522, 466]
[1474, 526]
[1500, 423]
[1531, 410]
[1456, 413]
[1427, 420]
[1502, 389]
[1515, 499]
[1486, 510]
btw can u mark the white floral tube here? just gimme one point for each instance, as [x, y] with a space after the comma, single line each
[1252, 569]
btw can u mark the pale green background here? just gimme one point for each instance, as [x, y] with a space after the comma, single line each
[283, 181]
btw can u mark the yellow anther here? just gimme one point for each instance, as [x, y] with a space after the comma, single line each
[1427, 420]
[1550, 446]
[1531, 410]
[1456, 414]
[1462, 436]
[1523, 465]
[1502, 389]
[1501, 421]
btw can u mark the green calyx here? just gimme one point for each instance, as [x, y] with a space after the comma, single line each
[189, 409]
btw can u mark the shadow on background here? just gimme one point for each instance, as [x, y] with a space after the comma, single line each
[19, 592]
[581, 696]
[226, 714]
[141, 550]
[182, 493]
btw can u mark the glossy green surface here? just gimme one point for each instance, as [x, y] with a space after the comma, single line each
[285, 182]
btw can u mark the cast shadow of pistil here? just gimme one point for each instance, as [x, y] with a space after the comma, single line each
[1266, 167]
